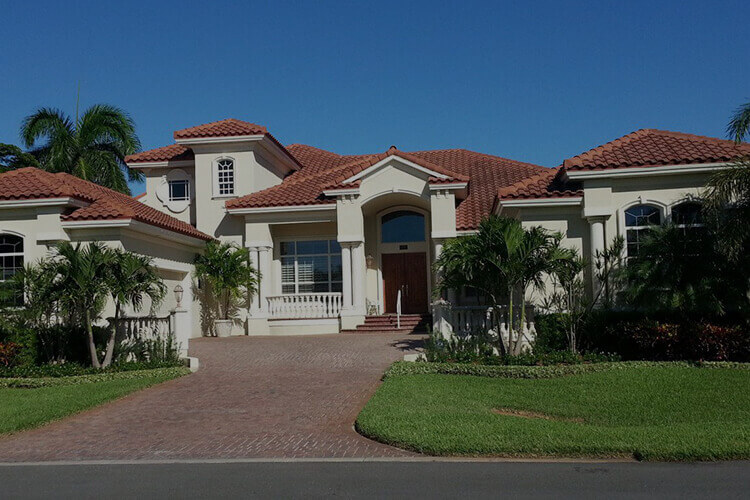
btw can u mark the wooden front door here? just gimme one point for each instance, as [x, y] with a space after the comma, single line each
[406, 272]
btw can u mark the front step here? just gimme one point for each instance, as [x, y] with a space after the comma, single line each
[388, 323]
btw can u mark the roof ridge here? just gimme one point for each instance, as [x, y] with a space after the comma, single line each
[479, 153]
[552, 173]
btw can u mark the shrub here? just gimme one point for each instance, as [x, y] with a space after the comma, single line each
[9, 354]
[550, 333]
[76, 369]
[159, 349]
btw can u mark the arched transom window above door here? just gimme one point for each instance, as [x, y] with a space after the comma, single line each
[11, 260]
[639, 220]
[402, 226]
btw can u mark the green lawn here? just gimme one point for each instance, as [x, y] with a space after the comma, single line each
[23, 407]
[651, 413]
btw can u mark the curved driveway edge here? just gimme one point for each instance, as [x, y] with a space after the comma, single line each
[253, 397]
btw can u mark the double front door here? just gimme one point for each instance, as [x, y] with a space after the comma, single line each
[406, 272]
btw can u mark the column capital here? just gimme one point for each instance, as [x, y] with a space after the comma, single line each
[259, 244]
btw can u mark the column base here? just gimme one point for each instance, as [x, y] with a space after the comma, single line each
[258, 326]
[351, 319]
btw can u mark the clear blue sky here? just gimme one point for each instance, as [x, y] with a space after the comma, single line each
[536, 81]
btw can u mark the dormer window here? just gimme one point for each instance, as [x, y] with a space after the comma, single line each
[225, 177]
[179, 190]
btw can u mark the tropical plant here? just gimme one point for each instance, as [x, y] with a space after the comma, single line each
[92, 147]
[12, 157]
[83, 280]
[225, 268]
[503, 261]
[568, 296]
[678, 272]
[727, 198]
[132, 278]
[609, 273]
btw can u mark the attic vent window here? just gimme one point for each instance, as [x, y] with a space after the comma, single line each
[225, 177]
[179, 190]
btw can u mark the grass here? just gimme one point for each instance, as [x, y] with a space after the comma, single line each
[27, 403]
[662, 412]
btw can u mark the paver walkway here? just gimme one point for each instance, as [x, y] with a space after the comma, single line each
[252, 397]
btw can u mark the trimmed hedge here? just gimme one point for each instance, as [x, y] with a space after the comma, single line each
[75, 369]
[35, 383]
[535, 372]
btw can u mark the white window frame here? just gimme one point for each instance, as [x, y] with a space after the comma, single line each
[218, 182]
[180, 181]
[685, 202]
[295, 256]
[21, 254]
[661, 210]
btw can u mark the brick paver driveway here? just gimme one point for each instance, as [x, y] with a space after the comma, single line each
[252, 397]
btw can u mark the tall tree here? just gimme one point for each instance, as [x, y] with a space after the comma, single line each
[502, 261]
[728, 196]
[13, 157]
[92, 146]
[132, 278]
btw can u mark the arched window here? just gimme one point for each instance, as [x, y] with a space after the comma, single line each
[225, 177]
[687, 214]
[11, 258]
[639, 220]
[402, 226]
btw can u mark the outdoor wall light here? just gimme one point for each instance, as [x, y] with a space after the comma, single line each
[178, 291]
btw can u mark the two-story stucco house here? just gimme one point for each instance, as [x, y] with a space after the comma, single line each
[337, 237]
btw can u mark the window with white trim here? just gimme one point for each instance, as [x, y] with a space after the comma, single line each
[639, 220]
[225, 177]
[179, 190]
[309, 266]
[11, 259]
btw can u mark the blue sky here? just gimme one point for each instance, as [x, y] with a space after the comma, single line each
[533, 81]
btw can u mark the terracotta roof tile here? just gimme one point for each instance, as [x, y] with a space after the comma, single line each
[547, 184]
[173, 152]
[323, 169]
[222, 128]
[650, 147]
[104, 204]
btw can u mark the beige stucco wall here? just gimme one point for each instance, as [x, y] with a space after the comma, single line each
[154, 178]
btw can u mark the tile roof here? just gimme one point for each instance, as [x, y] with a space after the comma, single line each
[222, 128]
[549, 184]
[323, 169]
[104, 204]
[650, 147]
[173, 152]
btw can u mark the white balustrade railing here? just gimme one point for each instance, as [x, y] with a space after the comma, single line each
[305, 305]
[145, 327]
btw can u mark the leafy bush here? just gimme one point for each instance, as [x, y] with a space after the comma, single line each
[159, 350]
[9, 354]
[93, 376]
[550, 333]
[76, 369]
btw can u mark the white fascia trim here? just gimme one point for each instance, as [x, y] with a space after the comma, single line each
[695, 168]
[451, 186]
[382, 162]
[135, 225]
[276, 210]
[543, 202]
[161, 164]
[42, 202]
[341, 192]
[219, 140]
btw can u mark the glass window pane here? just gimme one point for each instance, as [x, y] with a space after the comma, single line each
[402, 226]
[10, 243]
[642, 215]
[311, 247]
[336, 271]
[305, 288]
[688, 213]
[287, 288]
[335, 246]
[321, 287]
[287, 270]
[287, 248]
[336, 287]
[178, 190]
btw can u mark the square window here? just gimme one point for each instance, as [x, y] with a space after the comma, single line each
[179, 190]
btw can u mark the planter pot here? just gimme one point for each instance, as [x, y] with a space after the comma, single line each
[223, 327]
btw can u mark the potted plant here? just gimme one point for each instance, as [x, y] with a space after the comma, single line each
[224, 268]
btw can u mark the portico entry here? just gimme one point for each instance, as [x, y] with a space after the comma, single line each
[407, 273]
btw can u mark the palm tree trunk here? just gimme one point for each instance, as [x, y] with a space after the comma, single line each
[92, 345]
[519, 338]
[112, 338]
[510, 320]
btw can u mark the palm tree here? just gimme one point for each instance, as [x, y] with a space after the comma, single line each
[92, 147]
[84, 284]
[132, 279]
[728, 195]
[502, 261]
[226, 270]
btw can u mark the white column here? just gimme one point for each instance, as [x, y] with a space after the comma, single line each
[265, 259]
[255, 302]
[346, 271]
[182, 316]
[358, 277]
[596, 226]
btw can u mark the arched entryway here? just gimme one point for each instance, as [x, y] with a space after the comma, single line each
[404, 263]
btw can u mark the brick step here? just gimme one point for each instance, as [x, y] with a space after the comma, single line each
[387, 323]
